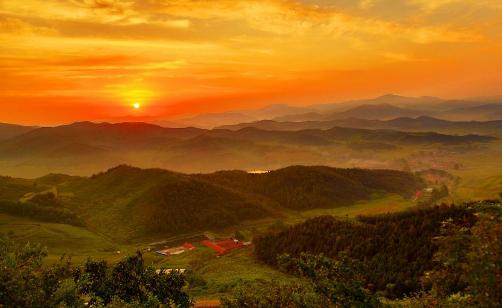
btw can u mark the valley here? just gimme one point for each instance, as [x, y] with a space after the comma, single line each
[105, 191]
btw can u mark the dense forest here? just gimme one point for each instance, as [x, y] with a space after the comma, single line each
[396, 249]
[302, 187]
[441, 256]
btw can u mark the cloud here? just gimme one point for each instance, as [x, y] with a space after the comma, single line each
[16, 26]
[183, 48]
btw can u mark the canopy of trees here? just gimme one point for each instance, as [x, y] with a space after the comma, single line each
[395, 249]
[24, 282]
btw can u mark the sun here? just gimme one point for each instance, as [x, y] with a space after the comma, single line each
[136, 105]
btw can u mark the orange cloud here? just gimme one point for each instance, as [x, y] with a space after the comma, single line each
[189, 56]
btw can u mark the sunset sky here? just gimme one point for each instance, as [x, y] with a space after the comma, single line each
[69, 60]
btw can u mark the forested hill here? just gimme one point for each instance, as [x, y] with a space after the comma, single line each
[302, 187]
[396, 249]
[126, 203]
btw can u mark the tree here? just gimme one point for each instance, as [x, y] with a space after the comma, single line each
[469, 265]
[339, 280]
[25, 282]
[261, 294]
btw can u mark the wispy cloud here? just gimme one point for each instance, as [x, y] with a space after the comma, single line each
[186, 47]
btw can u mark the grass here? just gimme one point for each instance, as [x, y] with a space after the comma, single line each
[221, 274]
[59, 238]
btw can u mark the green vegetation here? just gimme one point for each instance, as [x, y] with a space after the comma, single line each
[396, 248]
[59, 238]
[125, 209]
[128, 203]
[40, 212]
[13, 189]
[464, 267]
[129, 283]
[302, 188]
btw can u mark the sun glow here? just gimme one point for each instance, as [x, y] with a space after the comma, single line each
[136, 105]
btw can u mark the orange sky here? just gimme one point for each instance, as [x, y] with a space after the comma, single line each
[68, 60]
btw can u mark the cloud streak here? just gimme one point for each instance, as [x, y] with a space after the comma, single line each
[190, 50]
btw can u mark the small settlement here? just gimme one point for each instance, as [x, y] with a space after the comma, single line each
[221, 247]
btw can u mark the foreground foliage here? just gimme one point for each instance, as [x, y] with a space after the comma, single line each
[395, 249]
[24, 282]
[325, 282]
[446, 256]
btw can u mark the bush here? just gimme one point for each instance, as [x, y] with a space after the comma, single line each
[24, 282]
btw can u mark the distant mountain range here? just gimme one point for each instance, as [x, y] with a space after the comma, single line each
[211, 120]
[84, 147]
[422, 123]
[381, 108]
[11, 130]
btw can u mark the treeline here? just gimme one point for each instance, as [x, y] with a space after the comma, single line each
[307, 187]
[395, 249]
[41, 212]
[24, 282]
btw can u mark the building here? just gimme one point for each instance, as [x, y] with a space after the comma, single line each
[221, 247]
[176, 250]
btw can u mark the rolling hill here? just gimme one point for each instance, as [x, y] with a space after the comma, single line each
[127, 203]
[393, 106]
[320, 137]
[8, 131]
[85, 148]
[91, 138]
[485, 112]
[211, 120]
[301, 188]
[376, 112]
[422, 123]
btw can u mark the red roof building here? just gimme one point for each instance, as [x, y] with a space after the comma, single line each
[223, 246]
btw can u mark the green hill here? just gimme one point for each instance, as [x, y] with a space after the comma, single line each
[301, 187]
[127, 202]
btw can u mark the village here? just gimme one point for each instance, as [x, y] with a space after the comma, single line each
[219, 246]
